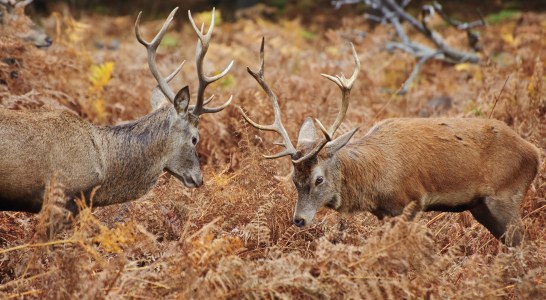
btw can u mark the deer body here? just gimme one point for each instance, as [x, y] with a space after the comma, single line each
[123, 161]
[441, 164]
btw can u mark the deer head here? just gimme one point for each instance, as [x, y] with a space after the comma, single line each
[12, 13]
[314, 170]
[183, 162]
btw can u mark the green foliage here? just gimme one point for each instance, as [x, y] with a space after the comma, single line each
[308, 35]
[227, 81]
[277, 3]
[169, 41]
[503, 15]
[101, 9]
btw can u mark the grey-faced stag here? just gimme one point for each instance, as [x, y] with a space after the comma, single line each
[440, 164]
[121, 163]
[12, 14]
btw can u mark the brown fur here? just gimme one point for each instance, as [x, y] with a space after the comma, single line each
[125, 161]
[442, 164]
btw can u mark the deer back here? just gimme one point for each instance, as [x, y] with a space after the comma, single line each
[36, 146]
[438, 162]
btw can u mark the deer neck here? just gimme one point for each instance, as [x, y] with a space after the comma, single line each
[134, 155]
[359, 167]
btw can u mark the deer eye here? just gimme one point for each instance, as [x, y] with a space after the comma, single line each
[319, 180]
[194, 141]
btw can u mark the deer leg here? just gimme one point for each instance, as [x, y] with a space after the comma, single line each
[72, 207]
[500, 215]
[411, 210]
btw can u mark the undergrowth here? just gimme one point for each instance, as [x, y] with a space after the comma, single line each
[233, 238]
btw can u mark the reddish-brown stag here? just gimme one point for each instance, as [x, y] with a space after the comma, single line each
[440, 164]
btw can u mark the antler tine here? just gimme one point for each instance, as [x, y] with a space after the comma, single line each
[202, 36]
[175, 72]
[151, 48]
[312, 152]
[204, 80]
[159, 36]
[209, 100]
[323, 129]
[277, 125]
[278, 155]
[170, 77]
[345, 85]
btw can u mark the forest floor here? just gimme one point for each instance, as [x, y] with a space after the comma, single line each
[233, 237]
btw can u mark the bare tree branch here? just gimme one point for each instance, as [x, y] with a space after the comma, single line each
[457, 24]
[473, 37]
[416, 69]
[393, 12]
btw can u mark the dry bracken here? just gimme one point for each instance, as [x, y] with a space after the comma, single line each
[232, 238]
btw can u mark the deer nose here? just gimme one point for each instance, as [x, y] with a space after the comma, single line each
[300, 222]
[48, 41]
[198, 181]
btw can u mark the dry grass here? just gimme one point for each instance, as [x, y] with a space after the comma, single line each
[233, 237]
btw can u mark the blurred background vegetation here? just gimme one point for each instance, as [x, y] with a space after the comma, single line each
[303, 8]
[233, 238]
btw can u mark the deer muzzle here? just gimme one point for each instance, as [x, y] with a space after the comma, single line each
[304, 214]
[193, 181]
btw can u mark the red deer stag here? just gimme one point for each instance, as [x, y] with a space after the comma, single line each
[124, 161]
[441, 164]
[12, 14]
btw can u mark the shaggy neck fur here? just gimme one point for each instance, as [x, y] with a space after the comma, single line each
[130, 155]
[358, 165]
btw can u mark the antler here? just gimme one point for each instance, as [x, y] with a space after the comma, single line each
[204, 80]
[277, 124]
[345, 85]
[151, 48]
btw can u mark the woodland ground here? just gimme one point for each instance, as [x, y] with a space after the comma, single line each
[233, 238]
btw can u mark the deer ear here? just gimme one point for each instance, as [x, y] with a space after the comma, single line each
[333, 146]
[306, 137]
[158, 98]
[182, 100]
